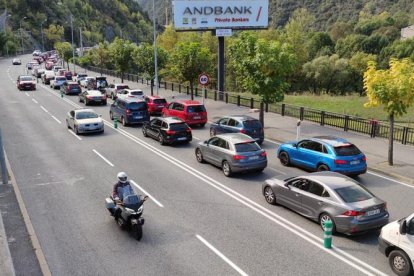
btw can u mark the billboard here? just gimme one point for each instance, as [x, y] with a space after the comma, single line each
[214, 14]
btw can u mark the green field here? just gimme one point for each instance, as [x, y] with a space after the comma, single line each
[349, 105]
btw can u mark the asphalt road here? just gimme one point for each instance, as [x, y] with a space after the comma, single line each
[198, 222]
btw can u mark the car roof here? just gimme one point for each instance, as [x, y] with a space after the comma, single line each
[171, 120]
[331, 179]
[236, 138]
[331, 140]
[84, 109]
[96, 92]
[132, 100]
[133, 90]
[189, 102]
[123, 84]
[72, 82]
[154, 97]
[240, 117]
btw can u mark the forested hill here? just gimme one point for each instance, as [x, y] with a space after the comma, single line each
[326, 12]
[99, 19]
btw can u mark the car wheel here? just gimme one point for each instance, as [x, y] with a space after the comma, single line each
[322, 168]
[123, 121]
[212, 132]
[284, 158]
[80, 100]
[144, 132]
[269, 195]
[400, 263]
[161, 139]
[226, 168]
[199, 156]
[104, 103]
[325, 217]
[111, 116]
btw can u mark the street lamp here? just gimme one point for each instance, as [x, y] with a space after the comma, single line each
[21, 32]
[41, 30]
[73, 49]
[155, 45]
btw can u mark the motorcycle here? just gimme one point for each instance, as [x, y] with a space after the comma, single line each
[128, 213]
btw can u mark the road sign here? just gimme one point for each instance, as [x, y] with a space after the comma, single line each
[223, 32]
[203, 79]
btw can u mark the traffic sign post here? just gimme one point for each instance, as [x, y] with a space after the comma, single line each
[203, 80]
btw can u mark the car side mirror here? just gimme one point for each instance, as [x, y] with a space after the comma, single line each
[287, 185]
[205, 143]
[145, 198]
[403, 227]
[295, 145]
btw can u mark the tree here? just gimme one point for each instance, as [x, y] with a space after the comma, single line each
[188, 61]
[121, 52]
[143, 57]
[100, 55]
[358, 65]
[54, 33]
[392, 88]
[341, 30]
[262, 67]
[320, 42]
[64, 50]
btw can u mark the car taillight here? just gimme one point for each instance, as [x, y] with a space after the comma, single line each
[264, 154]
[89, 97]
[170, 132]
[238, 157]
[188, 130]
[353, 213]
[341, 162]
[242, 131]
[128, 111]
[364, 158]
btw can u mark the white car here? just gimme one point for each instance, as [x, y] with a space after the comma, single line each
[84, 121]
[131, 93]
[79, 76]
[57, 81]
[84, 82]
[16, 61]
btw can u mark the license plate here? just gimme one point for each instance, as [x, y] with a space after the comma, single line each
[182, 138]
[138, 117]
[253, 157]
[196, 117]
[160, 106]
[373, 212]
[354, 162]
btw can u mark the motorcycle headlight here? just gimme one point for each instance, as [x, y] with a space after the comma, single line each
[140, 209]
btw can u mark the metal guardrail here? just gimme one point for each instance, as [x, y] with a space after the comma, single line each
[373, 128]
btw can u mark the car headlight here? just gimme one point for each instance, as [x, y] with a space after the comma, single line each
[140, 209]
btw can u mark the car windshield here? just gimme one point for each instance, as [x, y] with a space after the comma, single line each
[196, 108]
[137, 93]
[159, 101]
[347, 150]
[138, 106]
[353, 194]
[252, 124]
[246, 147]
[86, 115]
[61, 79]
[25, 78]
[101, 83]
[178, 126]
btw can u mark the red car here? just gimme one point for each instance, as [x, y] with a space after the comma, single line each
[49, 65]
[25, 83]
[155, 104]
[191, 112]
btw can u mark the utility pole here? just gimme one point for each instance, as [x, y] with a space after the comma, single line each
[155, 45]
[41, 30]
[73, 48]
[5, 31]
[81, 41]
[21, 33]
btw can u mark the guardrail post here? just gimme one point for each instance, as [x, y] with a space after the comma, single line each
[283, 109]
[405, 134]
[172, 86]
[238, 100]
[196, 91]
[227, 97]
[322, 118]
[179, 88]
[346, 125]
[251, 102]
[188, 90]
[267, 107]
[205, 93]
[165, 85]
[302, 109]
[327, 234]
[215, 95]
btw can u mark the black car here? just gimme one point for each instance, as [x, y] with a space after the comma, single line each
[92, 96]
[71, 88]
[168, 130]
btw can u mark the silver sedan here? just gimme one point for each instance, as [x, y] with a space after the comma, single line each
[233, 152]
[330, 196]
[84, 121]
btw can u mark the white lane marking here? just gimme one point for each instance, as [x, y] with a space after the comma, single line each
[308, 236]
[390, 179]
[27, 94]
[34, 101]
[74, 134]
[145, 192]
[103, 158]
[221, 255]
[274, 142]
[44, 109]
[56, 119]
[196, 138]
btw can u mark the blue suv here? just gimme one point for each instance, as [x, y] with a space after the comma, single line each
[324, 153]
[129, 111]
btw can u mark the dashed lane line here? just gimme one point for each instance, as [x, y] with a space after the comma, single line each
[145, 192]
[103, 158]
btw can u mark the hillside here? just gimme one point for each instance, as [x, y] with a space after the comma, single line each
[99, 19]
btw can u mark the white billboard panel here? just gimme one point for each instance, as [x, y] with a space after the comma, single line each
[234, 14]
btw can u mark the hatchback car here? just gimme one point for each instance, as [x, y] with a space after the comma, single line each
[16, 61]
[25, 83]
[233, 152]
[131, 93]
[191, 112]
[84, 121]
[129, 111]
[167, 130]
[323, 196]
[243, 124]
[324, 153]
[155, 104]
[57, 81]
[84, 82]
[71, 88]
[92, 97]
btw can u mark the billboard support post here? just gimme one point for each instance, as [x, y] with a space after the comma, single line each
[221, 66]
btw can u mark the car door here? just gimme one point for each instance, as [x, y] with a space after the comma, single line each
[291, 195]
[218, 151]
[71, 119]
[407, 240]
[314, 200]
[155, 127]
[232, 126]
[221, 124]
[312, 154]
[169, 109]
[207, 149]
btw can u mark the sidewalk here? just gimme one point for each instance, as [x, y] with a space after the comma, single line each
[6, 263]
[282, 129]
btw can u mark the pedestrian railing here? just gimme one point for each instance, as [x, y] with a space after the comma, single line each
[373, 128]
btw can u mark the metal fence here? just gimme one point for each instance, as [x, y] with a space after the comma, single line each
[373, 128]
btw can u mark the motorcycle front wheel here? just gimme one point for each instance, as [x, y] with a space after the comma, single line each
[137, 231]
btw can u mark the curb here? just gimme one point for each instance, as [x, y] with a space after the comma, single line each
[6, 262]
[32, 234]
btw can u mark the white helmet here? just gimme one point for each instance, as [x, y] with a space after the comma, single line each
[122, 177]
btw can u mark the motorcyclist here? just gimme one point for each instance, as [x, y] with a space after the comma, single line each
[123, 183]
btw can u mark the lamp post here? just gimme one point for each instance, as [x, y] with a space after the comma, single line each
[21, 32]
[41, 30]
[73, 49]
[155, 45]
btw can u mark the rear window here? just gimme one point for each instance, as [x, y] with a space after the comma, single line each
[25, 79]
[138, 106]
[137, 93]
[353, 194]
[246, 147]
[178, 126]
[159, 101]
[122, 87]
[196, 108]
[252, 124]
[347, 150]
[74, 86]
[61, 78]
